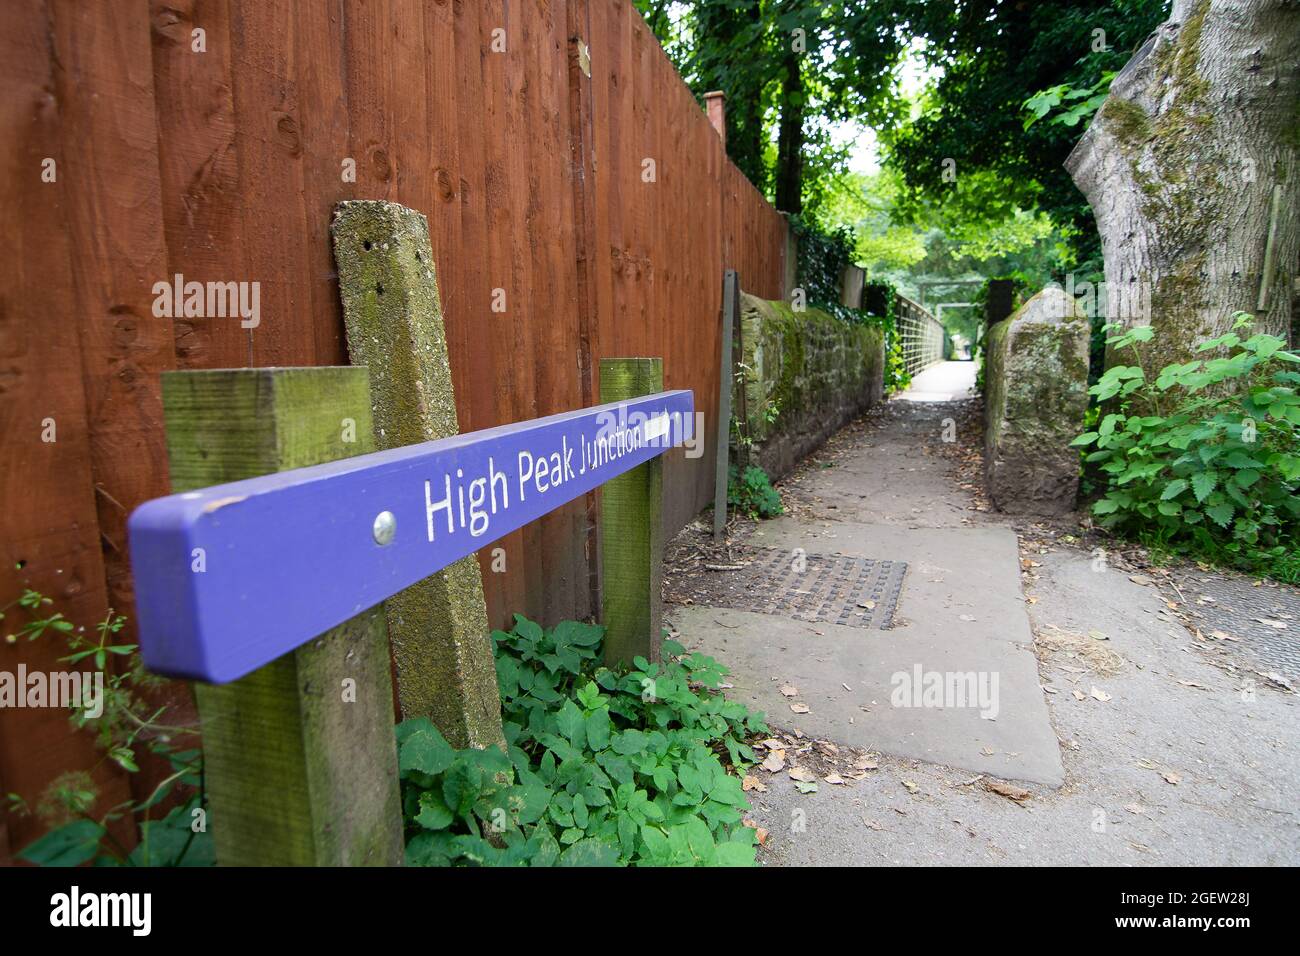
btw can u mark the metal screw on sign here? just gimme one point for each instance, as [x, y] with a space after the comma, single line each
[385, 527]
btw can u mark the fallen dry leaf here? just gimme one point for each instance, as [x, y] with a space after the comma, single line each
[911, 786]
[789, 690]
[1008, 790]
[774, 761]
[834, 778]
[1171, 777]
[801, 774]
[800, 708]
[751, 783]
[1098, 694]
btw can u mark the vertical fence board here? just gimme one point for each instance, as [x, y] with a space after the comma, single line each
[105, 88]
[50, 535]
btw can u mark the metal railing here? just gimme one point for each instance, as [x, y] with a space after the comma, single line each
[922, 335]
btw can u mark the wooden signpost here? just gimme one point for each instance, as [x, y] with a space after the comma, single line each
[631, 529]
[269, 585]
[289, 555]
[299, 759]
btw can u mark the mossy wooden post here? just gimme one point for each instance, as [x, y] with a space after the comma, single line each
[438, 627]
[726, 381]
[300, 761]
[631, 532]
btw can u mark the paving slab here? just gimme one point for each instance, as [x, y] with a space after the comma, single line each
[996, 723]
[953, 681]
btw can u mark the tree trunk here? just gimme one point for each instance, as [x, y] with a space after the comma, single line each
[1191, 170]
[789, 148]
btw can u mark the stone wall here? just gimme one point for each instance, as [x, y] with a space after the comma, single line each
[804, 375]
[1036, 393]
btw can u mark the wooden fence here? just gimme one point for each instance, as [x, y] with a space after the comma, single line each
[569, 177]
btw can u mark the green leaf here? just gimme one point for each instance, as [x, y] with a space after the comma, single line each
[570, 723]
[530, 631]
[1173, 489]
[1239, 459]
[629, 742]
[579, 634]
[589, 852]
[1203, 483]
[429, 849]
[598, 727]
[69, 845]
[462, 786]
[434, 813]
[1221, 513]
[424, 749]
[1246, 477]
[734, 854]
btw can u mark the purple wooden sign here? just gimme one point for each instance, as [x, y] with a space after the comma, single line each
[231, 577]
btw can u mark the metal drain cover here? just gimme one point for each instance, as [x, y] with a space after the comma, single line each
[828, 588]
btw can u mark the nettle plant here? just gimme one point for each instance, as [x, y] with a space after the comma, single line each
[129, 725]
[751, 492]
[603, 767]
[1206, 452]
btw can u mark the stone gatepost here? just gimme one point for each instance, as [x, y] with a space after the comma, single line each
[1036, 393]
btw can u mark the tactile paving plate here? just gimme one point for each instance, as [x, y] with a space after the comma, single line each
[827, 588]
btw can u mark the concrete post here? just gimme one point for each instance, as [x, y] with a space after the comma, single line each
[438, 627]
